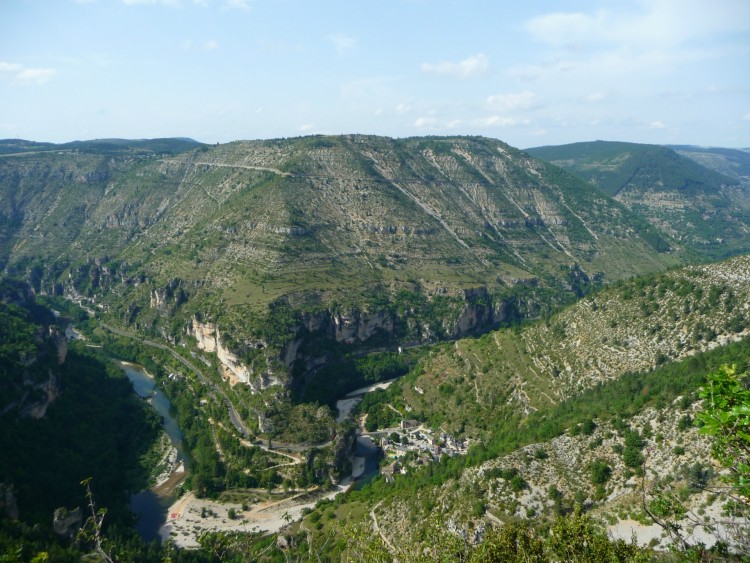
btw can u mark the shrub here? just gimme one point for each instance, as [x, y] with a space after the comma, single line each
[600, 472]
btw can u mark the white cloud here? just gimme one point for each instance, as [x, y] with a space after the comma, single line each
[656, 125]
[436, 124]
[307, 127]
[402, 109]
[633, 42]
[565, 29]
[746, 117]
[21, 75]
[36, 75]
[652, 23]
[501, 121]
[513, 101]
[208, 45]
[10, 67]
[426, 122]
[471, 66]
[342, 42]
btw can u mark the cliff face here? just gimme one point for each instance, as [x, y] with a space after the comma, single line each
[37, 408]
[33, 346]
[472, 310]
[358, 326]
[208, 339]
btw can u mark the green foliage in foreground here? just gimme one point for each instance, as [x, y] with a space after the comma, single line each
[726, 418]
[20, 542]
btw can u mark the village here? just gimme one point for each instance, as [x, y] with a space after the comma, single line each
[412, 445]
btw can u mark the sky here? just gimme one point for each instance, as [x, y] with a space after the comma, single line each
[528, 73]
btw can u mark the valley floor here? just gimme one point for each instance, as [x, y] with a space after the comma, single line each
[189, 516]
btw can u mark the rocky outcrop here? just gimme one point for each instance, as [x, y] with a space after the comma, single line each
[50, 390]
[231, 363]
[477, 312]
[66, 523]
[204, 334]
[60, 341]
[171, 295]
[8, 501]
[208, 338]
[359, 326]
[470, 310]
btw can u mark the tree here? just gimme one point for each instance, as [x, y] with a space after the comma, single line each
[515, 541]
[92, 529]
[725, 416]
[600, 472]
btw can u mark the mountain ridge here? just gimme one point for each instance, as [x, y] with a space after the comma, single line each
[706, 212]
[336, 228]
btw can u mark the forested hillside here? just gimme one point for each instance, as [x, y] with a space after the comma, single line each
[698, 197]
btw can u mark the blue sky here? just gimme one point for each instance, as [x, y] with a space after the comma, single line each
[529, 73]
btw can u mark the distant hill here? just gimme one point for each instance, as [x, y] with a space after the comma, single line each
[707, 212]
[614, 166]
[734, 163]
[102, 146]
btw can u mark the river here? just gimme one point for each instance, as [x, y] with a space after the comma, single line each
[365, 464]
[346, 404]
[149, 507]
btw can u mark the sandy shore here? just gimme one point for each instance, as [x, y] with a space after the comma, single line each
[135, 366]
[184, 521]
[345, 407]
[373, 387]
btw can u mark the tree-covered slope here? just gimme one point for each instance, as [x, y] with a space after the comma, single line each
[734, 163]
[65, 416]
[594, 407]
[704, 210]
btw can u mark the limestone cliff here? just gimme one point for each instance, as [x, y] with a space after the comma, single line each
[359, 326]
[208, 339]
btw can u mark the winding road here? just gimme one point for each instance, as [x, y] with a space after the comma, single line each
[234, 417]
